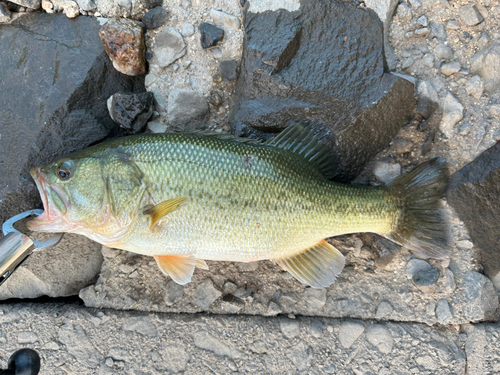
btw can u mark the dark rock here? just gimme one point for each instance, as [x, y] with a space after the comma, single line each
[53, 101]
[229, 69]
[428, 142]
[426, 280]
[473, 192]
[4, 12]
[325, 62]
[123, 41]
[131, 111]
[155, 18]
[32, 4]
[385, 251]
[153, 3]
[210, 35]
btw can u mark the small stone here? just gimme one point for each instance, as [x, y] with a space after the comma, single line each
[315, 299]
[380, 337]
[486, 63]
[481, 297]
[470, 15]
[173, 292]
[157, 126]
[475, 86]
[423, 32]
[349, 333]
[32, 4]
[174, 358]
[301, 356]
[450, 68]
[142, 325]
[386, 169]
[119, 354]
[124, 43]
[407, 63]
[185, 107]
[79, 346]
[443, 312]
[204, 340]
[443, 52]
[224, 20]
[229, 69]
[453, 25]
[427, 362]
[210, 35]
[430, 308]
[187, 29]
[258, 347]
[46, 5]
[290, 328]
[273, 309]
[426, 280]
[27, 337]
[452, 114]
[109, 362]
[330, 369]
[415, 4]
[87, 5]
[438, 31]
[428, 100]
[317, 328]
[206, 294]
[71, 9]
[384, 309]
[51, 345]
[450, 284]
[416, 265]
[169, 47]
[131, 111]
[247, 267]
[402, 146]
[155, 18]
[4, 12]
[423, 21]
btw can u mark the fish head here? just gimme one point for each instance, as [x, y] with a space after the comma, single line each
[73, 193]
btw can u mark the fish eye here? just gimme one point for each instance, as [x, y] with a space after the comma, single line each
[63, 172]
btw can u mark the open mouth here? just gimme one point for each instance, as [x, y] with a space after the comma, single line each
[50, 220]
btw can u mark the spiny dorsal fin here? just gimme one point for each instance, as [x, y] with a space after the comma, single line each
[226, 137]
[301, 140]
[317, 266]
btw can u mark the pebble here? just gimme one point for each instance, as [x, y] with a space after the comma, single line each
[380, 337]
[422, 32]
[301, 356]
[315, 299]
[427, 362]
[119, 354]
[443, 52]
[142, 325]
[402, 145]
[273, 309]
[4, 12]
[155, 18]
[453, 25]
[87, 5]
[317, 328]
[416, 265]
[386, 169]
[349, 332]
[187, 29]
[450, 68]
[242, 267]
[486, 63]
[228, 69]
[204, 340]
[27, 337]
[437, 31]
[124, 43]
[174, 359]
[452, 114]
[426, 280]
[423, 21]
[290, 328]
[169, 47]
[475, 86]
[481, 296]
[157, 126]
[79, 346]
[224, 20]
[185, 106]
[173, 292]
[464, 128]
[210, 35]
[470, 15]
[443, 312]
[258, 347]
[407, 63]
[428, 100]
[206, 294]
[384, 309]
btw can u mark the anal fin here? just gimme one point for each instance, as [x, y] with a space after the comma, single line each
[317, 266]
[179, 268]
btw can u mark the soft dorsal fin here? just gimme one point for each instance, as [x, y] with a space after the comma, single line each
[179, 267]
[301, 140]
[317, 266]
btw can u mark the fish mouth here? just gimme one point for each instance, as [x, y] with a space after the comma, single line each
[51, 220]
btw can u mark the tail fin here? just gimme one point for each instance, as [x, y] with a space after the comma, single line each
[420, 226]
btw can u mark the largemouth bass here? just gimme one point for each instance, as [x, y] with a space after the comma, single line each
[186, 198]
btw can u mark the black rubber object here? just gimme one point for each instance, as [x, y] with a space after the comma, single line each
[24, 362]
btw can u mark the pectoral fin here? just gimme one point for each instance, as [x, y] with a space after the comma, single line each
[164, 208]
[179, 268]
[317, 266]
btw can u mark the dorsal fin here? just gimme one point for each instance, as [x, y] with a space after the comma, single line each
[301, 140]
[226, 137]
